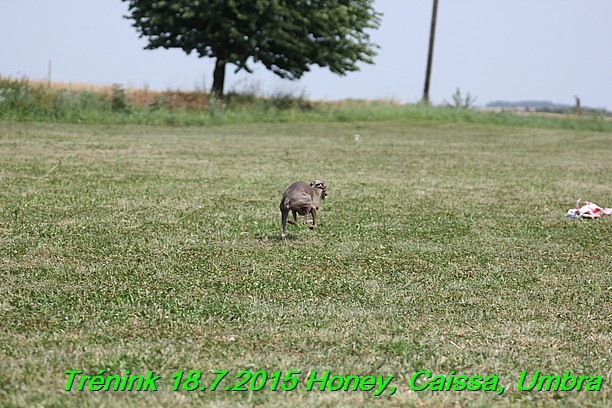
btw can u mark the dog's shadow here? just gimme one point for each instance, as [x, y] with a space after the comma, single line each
[277, 238]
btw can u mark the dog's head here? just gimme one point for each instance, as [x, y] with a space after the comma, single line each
[322, 185]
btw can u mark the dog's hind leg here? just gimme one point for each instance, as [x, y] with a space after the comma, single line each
[294, 220]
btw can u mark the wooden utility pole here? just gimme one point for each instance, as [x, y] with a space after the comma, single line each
[430, 54]
[49, 74]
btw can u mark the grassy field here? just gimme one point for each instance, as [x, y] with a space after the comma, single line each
[441, 247]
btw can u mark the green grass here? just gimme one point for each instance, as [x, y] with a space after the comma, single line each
[442, 246]
[321, 112]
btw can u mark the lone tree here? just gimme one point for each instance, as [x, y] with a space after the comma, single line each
[286, 36]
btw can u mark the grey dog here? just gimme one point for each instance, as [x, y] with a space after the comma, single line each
[302, 198]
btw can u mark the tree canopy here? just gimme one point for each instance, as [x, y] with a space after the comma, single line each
[286, 36]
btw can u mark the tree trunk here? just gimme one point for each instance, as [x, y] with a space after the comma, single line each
[218, 77]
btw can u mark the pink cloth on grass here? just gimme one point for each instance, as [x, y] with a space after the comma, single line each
[588, 210]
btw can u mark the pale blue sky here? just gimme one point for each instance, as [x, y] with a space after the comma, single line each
[497, 49]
